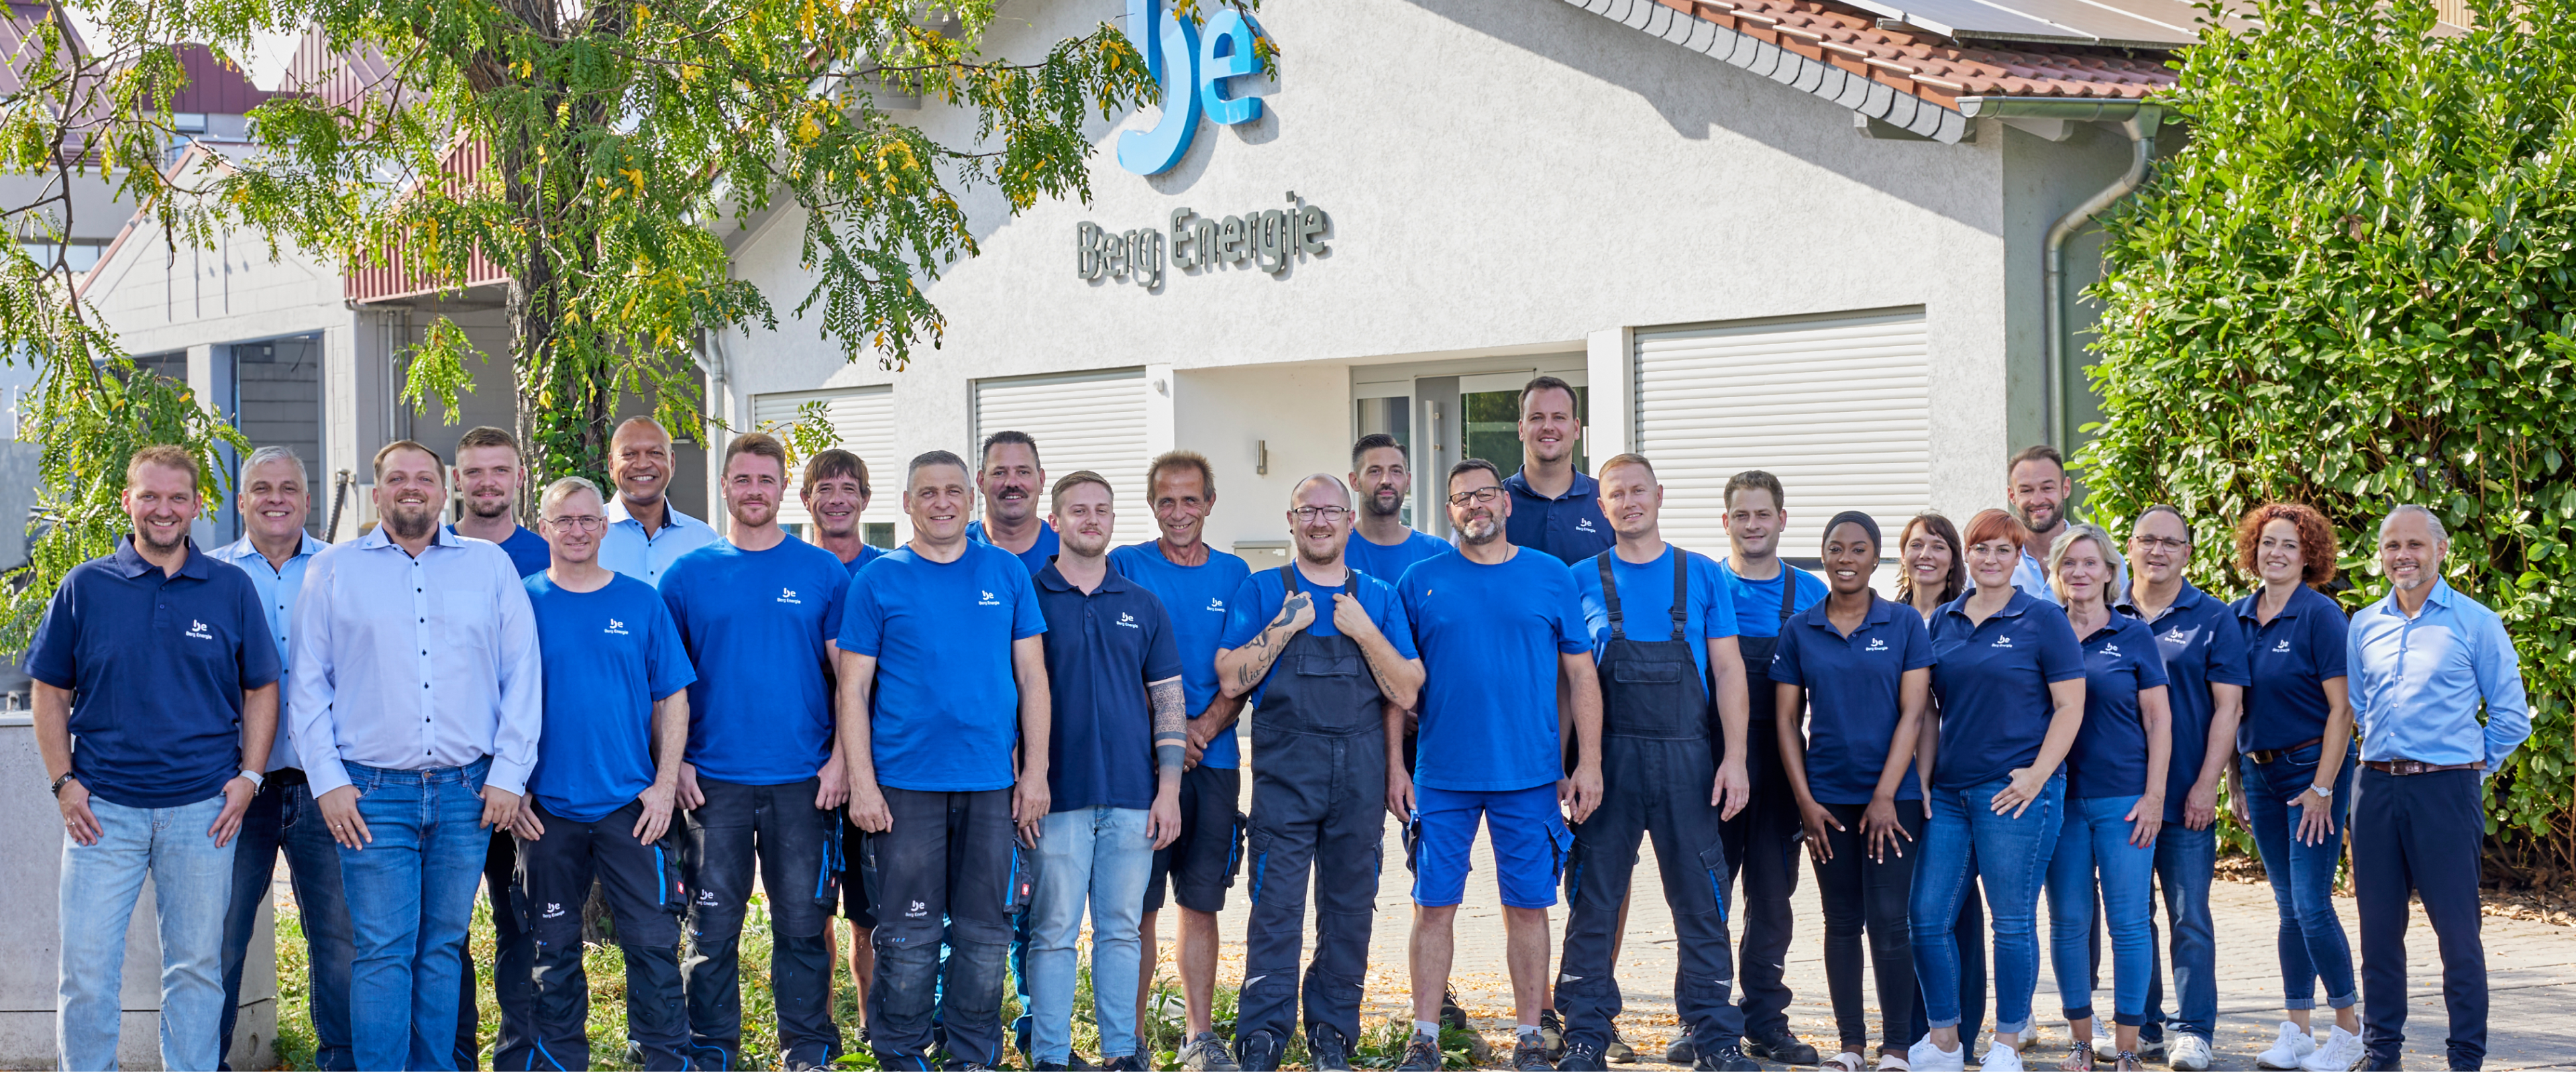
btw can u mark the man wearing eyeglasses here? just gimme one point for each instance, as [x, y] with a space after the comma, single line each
[1319, 730]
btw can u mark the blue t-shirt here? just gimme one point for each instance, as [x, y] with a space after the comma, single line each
[609, 655]
[1569, 526]
[1855, 695]
[1388, 562]
[1757, 603]
[2288, 663]
[2109, 758]
[1490, 637]
[1259, 599]
[528, 552]
[156, 665]
[1195, 597]
[944, 713]
[867, 553]
[1102, 648]
[1646, 602]
[757, 625]
[2202, 646]
[1992, 680]
[1033, 559]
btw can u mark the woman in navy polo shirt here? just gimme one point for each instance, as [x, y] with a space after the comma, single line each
[1867, 663]
[2294, 774]
[1931, 573]
[2010, 681]
[2113, 809]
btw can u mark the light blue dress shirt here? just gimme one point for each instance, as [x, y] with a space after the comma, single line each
[627, 550]
[2417, 682]
[415, 663]
[277, 587]
[2029, 577]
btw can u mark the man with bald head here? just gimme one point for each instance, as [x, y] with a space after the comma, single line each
[645, 533]
[1320, 729]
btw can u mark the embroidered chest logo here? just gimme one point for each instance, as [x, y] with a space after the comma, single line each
[2282, 648]
[1584, 525]
[2001, 642]
[1876, 644]
[197, 631]
[987, 600]
[2112, 650]
[2178, 635]
[1215, 605]
[788, 595]
[1128, 620]
[615, 628]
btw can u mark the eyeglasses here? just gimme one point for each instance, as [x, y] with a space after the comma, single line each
[2151, 543]
[1305, 514]
[1481, 496]
[586, 523]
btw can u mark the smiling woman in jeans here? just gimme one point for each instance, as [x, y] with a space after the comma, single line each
[2295, 777]
[2010, 681]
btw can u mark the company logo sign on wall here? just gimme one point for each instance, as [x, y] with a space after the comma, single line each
[1194, 66]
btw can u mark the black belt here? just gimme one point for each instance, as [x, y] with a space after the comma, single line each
[2269, 755]
[2411, 766]
[283, 777]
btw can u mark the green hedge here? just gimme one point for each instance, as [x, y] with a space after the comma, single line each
[2351, 288]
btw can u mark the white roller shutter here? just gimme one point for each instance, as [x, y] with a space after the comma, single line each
[1084, 420]
[864, 417]
[1837, 407]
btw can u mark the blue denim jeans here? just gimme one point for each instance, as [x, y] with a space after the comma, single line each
[283, 817]
[2185, 859]
[2012, 860]
[1100, 856]
[2312, 941]
[411, 896]
[2092, 844]
[191, 883]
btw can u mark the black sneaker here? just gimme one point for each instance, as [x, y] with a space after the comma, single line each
[1207, 1053]
[1451, 1016]
[1421, 1055]
[1530, 1055]
[1259, 1051]
[1581, 1057]
[1680, 1052]
[1551, 1033]
[1783, 1048]
[1726, 1059]
[1048, 1066]
[1128, 1063]
[1078, 1063]
[1326, 1049]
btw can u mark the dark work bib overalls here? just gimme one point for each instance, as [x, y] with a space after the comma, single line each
[1318, 798]
[1658, 767]
[1762, 841]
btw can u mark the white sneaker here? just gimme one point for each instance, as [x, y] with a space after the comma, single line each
[2341, 1053]
[2190, 1053]
[2001, 1058]
[2104, 1046]
[1923, 1056]
[2292, 1047]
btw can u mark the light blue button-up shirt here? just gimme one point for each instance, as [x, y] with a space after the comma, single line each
[277, 587]
[2417, 682]
[413, 663]
[2029, 577]
[627, 550]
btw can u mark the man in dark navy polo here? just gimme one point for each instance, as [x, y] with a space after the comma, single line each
[1009, 482]
[158, 661]
[1555, 508]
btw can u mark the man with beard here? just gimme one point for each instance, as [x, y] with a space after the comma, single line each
[645, 533]
[415, 661]
[1009, 481]
[942, 674]
[486, 477]
[1382, 545]
[1555, 508]
[1320, 730]
[761, 778]
[158, 662]
[2037, 489]
[1487, 621]
[835, 494]
[1195, 582]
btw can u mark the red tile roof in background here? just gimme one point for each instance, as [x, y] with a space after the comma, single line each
[1931, 66]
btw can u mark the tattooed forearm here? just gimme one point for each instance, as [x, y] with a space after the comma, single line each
[1171, 723]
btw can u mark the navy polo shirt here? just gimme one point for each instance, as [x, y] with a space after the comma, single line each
[1259, 598]
[156, 666]
[2288, 663]
[1854, 695]
[529, 553]
[1646, 602]
[1387, 562]
[1102, 648]
[610, 654]
[867, 554]
[1757, 603]
[1195, 597]
[2109, 758]
[1035, 558]
[1490, 637]
[1992, 679]
[2202, 646]
[945, 712]
[1569, 526]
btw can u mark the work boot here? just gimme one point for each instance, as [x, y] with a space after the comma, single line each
[1530, 1055]
[1581, 1057]
[1326, 1049]
[1726, 1059]
[1421, 1055]
[1259, 1051]
[1551, 1033]
[1679, 1053]
[1783, 1048]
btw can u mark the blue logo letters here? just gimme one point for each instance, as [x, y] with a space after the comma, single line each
[1193, 69]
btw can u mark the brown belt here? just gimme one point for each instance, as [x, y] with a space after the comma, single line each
[2409, 766]
[2269, 755]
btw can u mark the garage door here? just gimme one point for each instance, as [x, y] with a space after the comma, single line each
[864, 419]
[1837, 407]
[1088, 420]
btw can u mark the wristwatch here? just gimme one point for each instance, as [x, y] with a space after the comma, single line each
[2323, 792]
[256, 780]
[58, 783]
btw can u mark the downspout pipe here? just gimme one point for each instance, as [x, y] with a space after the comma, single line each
[2140, 125]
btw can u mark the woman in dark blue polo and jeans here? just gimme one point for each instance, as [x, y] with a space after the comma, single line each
[2294, 770]
[2010, 681]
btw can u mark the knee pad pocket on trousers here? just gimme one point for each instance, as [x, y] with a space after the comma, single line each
[1261, 843]
[1712, 860]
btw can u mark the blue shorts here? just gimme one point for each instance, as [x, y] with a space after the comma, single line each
[1528, 834]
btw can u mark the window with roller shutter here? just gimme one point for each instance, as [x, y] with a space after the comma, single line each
[1086, 420]
[864, 419]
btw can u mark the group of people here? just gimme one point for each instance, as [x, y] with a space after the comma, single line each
[968, 745]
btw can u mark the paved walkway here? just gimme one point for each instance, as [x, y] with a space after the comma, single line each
[2531, 972]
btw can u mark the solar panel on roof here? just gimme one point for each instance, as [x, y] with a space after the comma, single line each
[2137, 23]
[1969, 18]
[2110, 26]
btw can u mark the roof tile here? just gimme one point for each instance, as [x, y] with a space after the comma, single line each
[1941, 69]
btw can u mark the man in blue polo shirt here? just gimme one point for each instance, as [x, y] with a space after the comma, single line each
[599, 801]
[274, 550]
[1487, 620]
[158, 662]
[646, 534]
[1009, 482]
[835, 494]
[757, 611]
[1114, 780]
[1381, 544]
[1555, 508]
[1194, 583]
[942, 675]
[486, 477]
